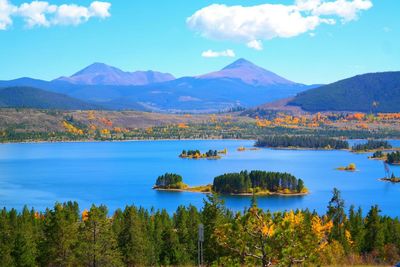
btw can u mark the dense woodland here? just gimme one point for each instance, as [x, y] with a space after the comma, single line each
[257, 181]
[393, 158]
[372, 145]
[316, 142]
[65, 236]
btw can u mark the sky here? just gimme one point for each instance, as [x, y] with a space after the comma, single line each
[307, 41]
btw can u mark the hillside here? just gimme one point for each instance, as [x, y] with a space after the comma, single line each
[28, 97]
[374, 92]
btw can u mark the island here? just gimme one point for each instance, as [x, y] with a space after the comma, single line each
[196, 154]
[379, 155]
[392, 179]
[350, 168]
[259, 183]
[244, 183]
[371, 145]
[174, 182]
[393, 158]
[242, 149]
[301, 142]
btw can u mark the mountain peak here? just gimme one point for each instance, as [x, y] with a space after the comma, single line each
[97, 67]
[103, 74]
[241, 62]
[249, 73]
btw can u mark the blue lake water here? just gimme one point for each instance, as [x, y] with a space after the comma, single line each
[123, 173]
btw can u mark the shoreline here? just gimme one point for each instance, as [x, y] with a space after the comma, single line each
[262, 194]
[127, 141]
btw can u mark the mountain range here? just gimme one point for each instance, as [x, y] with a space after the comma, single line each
[241, 83]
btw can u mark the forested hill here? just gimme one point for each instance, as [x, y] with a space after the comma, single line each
[374, 92]
[28, 97]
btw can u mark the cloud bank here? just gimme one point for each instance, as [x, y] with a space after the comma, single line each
[251, 24]
[44, 14]
[226, 53]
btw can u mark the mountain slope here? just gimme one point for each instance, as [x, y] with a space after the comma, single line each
[378, 92]
[249, 73]
[102, 74]
[28, 97]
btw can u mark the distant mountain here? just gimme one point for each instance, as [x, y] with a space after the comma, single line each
[378, 92]
[28, 97]
[239, 84]
[102, 74]
[248, 73]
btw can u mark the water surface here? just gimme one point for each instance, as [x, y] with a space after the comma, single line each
[123, 173]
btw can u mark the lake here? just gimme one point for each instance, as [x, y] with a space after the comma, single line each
[123, 173]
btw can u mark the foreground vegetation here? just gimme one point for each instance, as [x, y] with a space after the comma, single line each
[62, 236]
[314, 142]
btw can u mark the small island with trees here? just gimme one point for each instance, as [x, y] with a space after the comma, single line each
[258, 183]
[244, 183]
[174, 182]
[379, 155]
[350, 168]
[392, 179]
[301, 142]
[393, 158]
[196, 154]
[371, 145]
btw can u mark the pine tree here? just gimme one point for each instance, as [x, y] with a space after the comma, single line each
[98, 244]
[374, 235]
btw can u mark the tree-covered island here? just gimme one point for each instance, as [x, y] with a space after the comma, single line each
[242, 183]
[258, 183]
[371, 145]
[393, 158]
[196, 154]
[350, 168]
[298, 142]
[174, 182]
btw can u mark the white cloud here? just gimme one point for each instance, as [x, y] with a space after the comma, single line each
[34, 13]
[347, 10]
[42, 13]
[6, 10]
[100, 9]
[226, 53]
[255, 44]
[252, 24]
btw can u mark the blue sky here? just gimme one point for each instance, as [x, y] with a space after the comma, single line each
[154, 34]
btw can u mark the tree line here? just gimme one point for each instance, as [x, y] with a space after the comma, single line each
[255, 181]
[371, 145]
[304, 141]
[64, 236]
